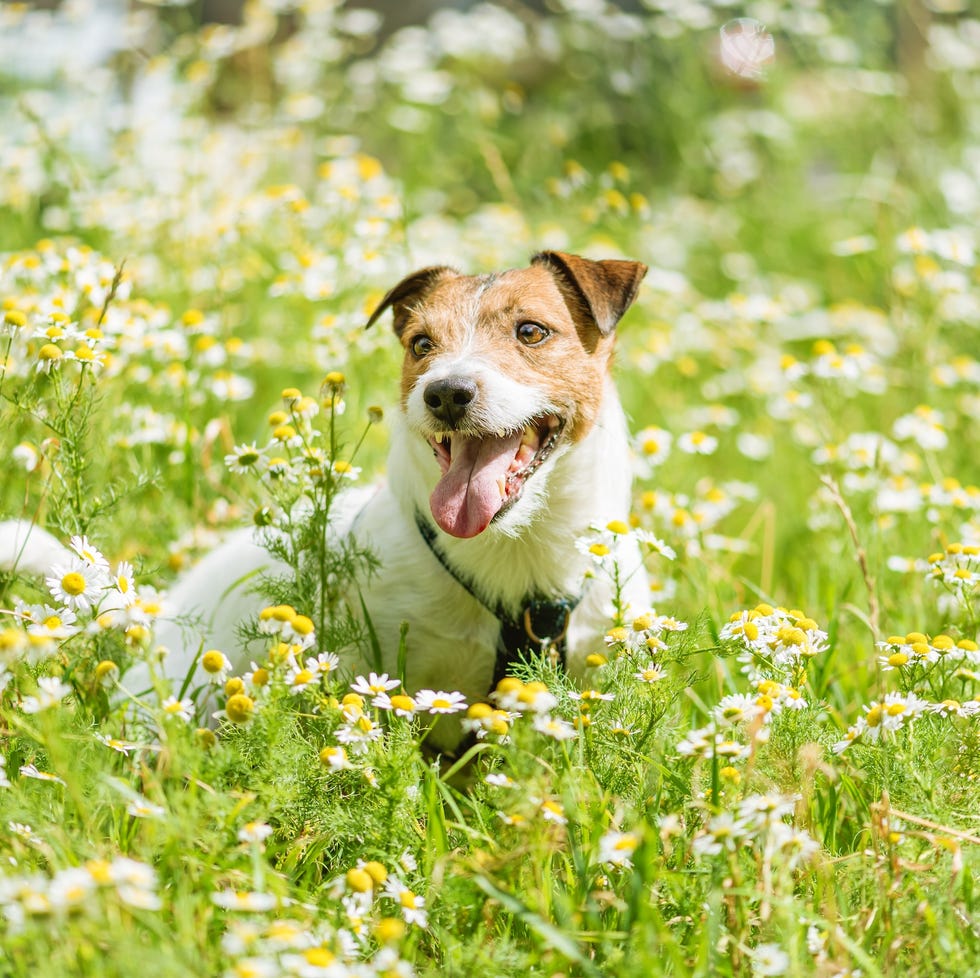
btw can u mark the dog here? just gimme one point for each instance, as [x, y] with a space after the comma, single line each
[509, 443]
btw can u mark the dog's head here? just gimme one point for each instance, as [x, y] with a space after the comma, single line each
[503, 373]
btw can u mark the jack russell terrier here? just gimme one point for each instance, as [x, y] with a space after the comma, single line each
[510, 442]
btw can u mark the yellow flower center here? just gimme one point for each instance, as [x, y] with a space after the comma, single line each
[376, 871]
[319, 957]
[105, 668]
[73, 583]
[407, 899]
[213, 661]
[240, 708]
[360, 881]
[302, 625]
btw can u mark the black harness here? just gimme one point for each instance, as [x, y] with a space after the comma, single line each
[540, 626]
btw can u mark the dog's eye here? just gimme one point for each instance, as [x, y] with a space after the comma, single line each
[530, 334]
[422, 345]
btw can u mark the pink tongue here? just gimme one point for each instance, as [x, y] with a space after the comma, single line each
[467, 497]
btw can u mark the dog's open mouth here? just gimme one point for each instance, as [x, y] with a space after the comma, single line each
[484, 474]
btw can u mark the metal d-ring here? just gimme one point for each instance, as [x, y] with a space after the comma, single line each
[549, 640]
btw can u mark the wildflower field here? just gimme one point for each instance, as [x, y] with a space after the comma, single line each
[771, 769]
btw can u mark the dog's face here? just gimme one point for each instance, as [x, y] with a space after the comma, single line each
[503, 373]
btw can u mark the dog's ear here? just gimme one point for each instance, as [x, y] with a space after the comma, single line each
[605, 288]
[408, 292]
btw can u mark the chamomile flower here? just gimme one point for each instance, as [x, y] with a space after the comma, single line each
[78, 586]
[244, 900]
[652, 448]
[764, 810]
[769, 960]
[358, 733]
[958, 568]
[325, 663]
[217, 666]
[180, 709]
[344, 470]
[617, 848]
[119, 746]
[49, 622]
[245, 459]
[650, 673]
[697, 443]
[653, 544]
[141, 807]
[598, 551]
[925, 426]
[736, 708]
[552, 811]
[88, 553]
[483, 720]
[50, 692]
[299, 677]
[374, 684]
[400, 704]
[122, 581]
[723, 833]
[708, 742]
[554, 727]
[411, 905]
[257, 678]
[254, 833]
[588, 697]
[515, 696]
[31, 771]
[438, 702]
[335, 758]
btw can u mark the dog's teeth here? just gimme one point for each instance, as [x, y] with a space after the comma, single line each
[502, 486]
[529, 437]
[524, 454]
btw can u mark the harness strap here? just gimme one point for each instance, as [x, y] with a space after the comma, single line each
[542, 623]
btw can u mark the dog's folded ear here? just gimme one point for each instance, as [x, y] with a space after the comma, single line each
[408, 293]
[606, 288]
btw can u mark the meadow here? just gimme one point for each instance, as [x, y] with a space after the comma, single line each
[774, 768]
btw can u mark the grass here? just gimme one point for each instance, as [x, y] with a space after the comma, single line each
[774, 769]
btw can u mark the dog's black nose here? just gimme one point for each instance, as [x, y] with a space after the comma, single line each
[448, 399]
